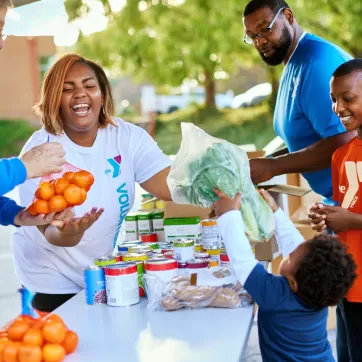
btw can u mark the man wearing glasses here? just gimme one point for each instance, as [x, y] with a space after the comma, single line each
[37, 162]
[303, 115]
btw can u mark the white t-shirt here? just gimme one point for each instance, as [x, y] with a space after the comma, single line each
[119, 157]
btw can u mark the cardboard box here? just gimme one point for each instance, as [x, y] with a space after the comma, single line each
[267, 251]
[306, 230]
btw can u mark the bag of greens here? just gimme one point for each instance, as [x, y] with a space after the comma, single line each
[204, 162]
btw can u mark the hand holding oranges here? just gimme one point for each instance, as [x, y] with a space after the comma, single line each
[68, 191]
[37, 340]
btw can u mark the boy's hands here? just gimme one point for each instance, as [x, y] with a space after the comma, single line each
[269, 200]
[335, 218]
[225, 203]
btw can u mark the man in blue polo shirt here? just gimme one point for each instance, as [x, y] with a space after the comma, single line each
[303, 115]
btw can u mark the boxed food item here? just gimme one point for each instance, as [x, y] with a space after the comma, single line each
[157, 224]
[182, 228]
[144, 221]
[131, 227]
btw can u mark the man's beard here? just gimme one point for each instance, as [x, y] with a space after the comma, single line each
[281, 51]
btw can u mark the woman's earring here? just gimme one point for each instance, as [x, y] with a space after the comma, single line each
[103, 108]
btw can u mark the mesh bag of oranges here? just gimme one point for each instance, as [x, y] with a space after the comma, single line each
[31, 339]
[60, 190]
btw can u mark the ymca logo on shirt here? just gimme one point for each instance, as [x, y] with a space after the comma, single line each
[354, 177]
[115, 162]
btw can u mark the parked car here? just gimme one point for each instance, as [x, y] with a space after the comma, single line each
[253, 96]
[167, 103]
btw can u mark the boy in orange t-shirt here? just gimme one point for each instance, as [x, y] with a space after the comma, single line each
[346, 219]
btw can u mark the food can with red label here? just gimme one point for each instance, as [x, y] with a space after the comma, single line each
[122, 284]
[197, 265]
[224, 259]
[164, 269]
[149, 238]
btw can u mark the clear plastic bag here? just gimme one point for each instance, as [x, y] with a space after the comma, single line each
[205, 162]
[217, 287]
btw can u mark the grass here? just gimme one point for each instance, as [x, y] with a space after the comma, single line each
[240, 126]
[13, 135]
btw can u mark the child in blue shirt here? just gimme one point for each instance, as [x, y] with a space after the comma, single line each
[314, 274]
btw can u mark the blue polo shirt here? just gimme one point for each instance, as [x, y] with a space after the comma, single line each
[303, 113]
[289, 330]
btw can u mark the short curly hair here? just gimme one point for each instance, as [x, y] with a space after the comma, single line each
[326, 272]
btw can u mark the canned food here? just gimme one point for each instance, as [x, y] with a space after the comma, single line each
[198, 248]
[181, 265]
[126, 247]
[134, 256]
[202, 255]
[141, 250]
[119, 255]
[215, 252]
[167, 250]
[163, 245]
[138, 259]
[122, 284]
[210, 233]
[105, 260]
[149, 238]
[94, 285]
[184, 250]
[197, 265]
[224, 259]
[169, 255]
[213, 262]
[165, 269]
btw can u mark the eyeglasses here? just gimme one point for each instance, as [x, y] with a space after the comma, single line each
[264, 33]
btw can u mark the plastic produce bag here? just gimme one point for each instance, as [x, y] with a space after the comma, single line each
[204, 162]
[58, 191]
[216, 287]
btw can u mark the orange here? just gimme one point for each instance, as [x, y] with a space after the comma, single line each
[37, 324]
[3, 344]
[54, 332]
[83, 179]
[70, 342]
[53, 353]
[52, 318]
[29, 353]
[72, 194]
[26, 318]
[69, 176]
[31, 209]
[10, 352]
[33, 337]
[41, 207]
[57, 203]
[60, 185]
[45, 191]
[83, 194]
[17, 330]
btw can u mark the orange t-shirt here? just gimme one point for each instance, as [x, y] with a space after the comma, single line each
[347, 191]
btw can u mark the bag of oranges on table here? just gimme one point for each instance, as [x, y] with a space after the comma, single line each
[60, 190]
[31, 339]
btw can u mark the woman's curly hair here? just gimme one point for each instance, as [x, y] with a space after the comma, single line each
[326, 273]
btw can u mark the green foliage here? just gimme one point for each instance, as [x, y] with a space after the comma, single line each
[167, 44]
[13, 135]
[241, 126]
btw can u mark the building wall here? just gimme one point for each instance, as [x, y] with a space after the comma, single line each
[20, 75]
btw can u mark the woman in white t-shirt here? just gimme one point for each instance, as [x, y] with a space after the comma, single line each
[76, 109]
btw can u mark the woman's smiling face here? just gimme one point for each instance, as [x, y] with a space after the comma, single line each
[81, 100]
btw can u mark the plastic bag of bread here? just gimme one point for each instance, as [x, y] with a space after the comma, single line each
[216, 288]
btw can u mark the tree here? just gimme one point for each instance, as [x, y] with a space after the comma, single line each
[168, 41]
